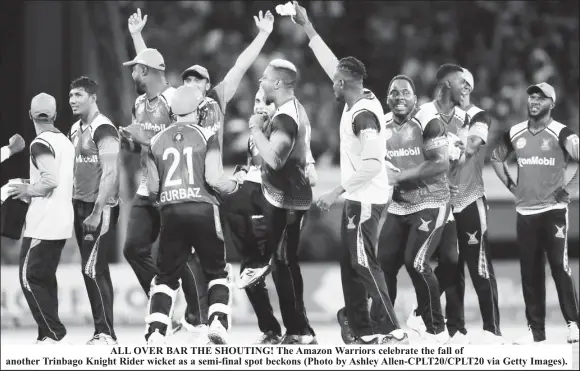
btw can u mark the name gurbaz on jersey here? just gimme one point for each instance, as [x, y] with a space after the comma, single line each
[179, 194]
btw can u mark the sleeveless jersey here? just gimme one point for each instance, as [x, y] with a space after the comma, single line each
[405, 150]
[52, 217]
[88, 169]
[289, 187]
[179, 155]
[542, 163]
[153, 118]
[469, 175]
[377, 191]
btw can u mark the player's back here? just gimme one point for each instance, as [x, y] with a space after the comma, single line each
[179, 154]
[541, 164]
[51, 217]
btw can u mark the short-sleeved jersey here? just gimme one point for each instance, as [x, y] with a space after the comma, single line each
[469, 175]
[88, 168]
[178, 153]
[405, 145]
[213, 109]
[377, 191]
[289, 187]
[153, 118]
[51, 217]
[542, 161]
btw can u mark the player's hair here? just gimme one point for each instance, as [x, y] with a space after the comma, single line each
[286, 70]
[447, 69]
[83, 82]
[403, 77]
[353, 67]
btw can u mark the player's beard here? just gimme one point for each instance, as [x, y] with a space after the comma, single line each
[140, 87]
[543, 112]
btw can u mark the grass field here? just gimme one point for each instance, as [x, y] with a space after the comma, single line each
[327, 334]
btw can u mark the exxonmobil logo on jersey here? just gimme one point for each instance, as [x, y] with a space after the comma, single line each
[152, 127]
[85, 159]
[536, 160]
[401, 152]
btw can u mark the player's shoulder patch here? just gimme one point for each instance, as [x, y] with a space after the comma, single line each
[474, 111]
[556, 127]
[518, 129]
[368, 94]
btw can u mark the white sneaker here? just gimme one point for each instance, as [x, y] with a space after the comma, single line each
[156, 338]
[48, 341]
[199, 334]
[527, 339]
[250, 276]
[102, 339]
[489, 338]
[572, 332]
[459, 339]
[217, 333]
[415, 322]
[440, 338]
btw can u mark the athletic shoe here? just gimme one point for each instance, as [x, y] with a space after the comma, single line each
[396, 337]
[572, 332]
[528, 339]
[415, 322]
[299, 340]
[459, 339]
[48, 341]
[270, 338]
[440, 338]
[361, 341]
[251, 276]
[102, 339]
[156, 338]
[176, 326]
[345, 330]
[199, 334]
[217, 333]
[489, 338]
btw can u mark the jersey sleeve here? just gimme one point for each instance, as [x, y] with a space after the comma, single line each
[365, 120]
[107, 139]
[479, 125]
[569, 143]
[366, 127]
[40, 147]
[434, 135]
[283, 124]
[218, 94]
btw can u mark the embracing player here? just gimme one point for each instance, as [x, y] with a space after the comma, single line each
[542, 147]
[365, 189]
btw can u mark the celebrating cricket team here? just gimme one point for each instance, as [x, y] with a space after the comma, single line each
[418, 167]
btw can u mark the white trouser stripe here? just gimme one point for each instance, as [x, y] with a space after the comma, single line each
[421, 254]
[482, 266]
[361, 255]
[217, 222]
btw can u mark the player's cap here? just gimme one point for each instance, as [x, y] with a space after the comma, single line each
[196, 70]
[544, 88]
[468, 78]
[43, 107]
[186, 99]
[150, 58]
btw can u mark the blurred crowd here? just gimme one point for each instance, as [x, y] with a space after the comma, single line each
[506, 45]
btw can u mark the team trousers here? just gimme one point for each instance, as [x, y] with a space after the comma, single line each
[411, 240]
[471, 225]
[142, 231]
[361, 273]
[182, 226]
[539, 233]
[37, 271]
[248, 231]
[95, 266]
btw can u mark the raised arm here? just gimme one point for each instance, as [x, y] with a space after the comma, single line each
[232, 80]
[15, 145]
[275, 150]
[436, 155]
[323, 54]
[498, 161]
[135, 25]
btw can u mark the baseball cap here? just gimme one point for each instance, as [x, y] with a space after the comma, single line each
[469, 78]
[544, 88]
[43, 107]
[150, 58]
[185, 100]
[196, 70]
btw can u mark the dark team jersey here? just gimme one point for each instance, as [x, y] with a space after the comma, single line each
[289, 187]
[542, 159]
[469, 175]
[100, 137]
[176, 161]
[406, 145]
[153, 118]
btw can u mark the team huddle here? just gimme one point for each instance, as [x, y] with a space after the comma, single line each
[421, 165]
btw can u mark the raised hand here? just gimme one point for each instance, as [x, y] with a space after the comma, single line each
[136, 22]
[265, 23]
[301, 16]
[16, 144]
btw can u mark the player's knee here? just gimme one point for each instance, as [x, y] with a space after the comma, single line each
[414, 266]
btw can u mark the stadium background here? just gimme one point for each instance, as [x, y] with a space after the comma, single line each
[507, 46]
